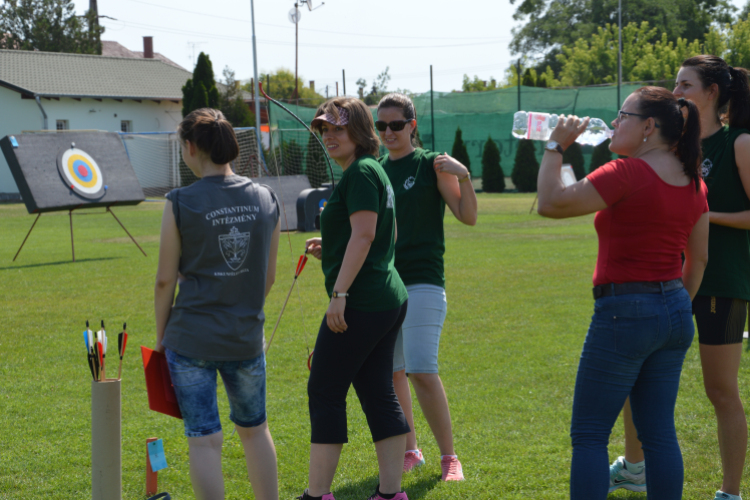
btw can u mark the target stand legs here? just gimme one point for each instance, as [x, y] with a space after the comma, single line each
[27, 236]
[126, 231]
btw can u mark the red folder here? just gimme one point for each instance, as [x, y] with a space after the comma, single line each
[161, 396]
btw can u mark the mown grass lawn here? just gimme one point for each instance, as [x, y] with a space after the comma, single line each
[519, 302]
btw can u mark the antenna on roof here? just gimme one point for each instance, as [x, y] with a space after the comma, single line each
[192, 45]
[309, 5]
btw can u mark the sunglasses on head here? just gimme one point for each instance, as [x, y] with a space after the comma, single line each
[395, 125]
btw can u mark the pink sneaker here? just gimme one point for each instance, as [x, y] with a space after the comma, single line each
[412, 460]
[305, 496]
[399, 496]
[452, 470]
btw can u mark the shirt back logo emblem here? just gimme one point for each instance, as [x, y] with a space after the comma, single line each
[409, 183]
[234, 247]
[706, 167]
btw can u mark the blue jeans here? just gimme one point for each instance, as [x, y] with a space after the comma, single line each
[635, 346]
[194, 383]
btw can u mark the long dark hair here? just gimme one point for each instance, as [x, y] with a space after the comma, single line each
[211, 133]
[682, 135]
[734, 92]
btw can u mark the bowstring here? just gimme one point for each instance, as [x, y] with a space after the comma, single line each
[288, 232]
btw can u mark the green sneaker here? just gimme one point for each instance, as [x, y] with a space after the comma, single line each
[620, 477]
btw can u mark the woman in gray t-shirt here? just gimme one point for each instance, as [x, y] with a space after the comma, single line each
[220, 236]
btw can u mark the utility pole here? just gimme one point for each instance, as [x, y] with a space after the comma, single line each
[258, 133]
[343, 77]
[295, 95]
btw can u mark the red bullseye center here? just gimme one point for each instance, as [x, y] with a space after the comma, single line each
[83, 171]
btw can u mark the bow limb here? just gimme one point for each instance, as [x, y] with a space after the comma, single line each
[328, 160]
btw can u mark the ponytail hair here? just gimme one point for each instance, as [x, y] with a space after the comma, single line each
[734, 91]
[402, 102]
[680, 133]
[211, 133]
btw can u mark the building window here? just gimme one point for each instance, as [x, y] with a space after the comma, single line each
[62, 125]
[126, 126]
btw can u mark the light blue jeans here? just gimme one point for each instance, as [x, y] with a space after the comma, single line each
[635, 346]
[418, 340]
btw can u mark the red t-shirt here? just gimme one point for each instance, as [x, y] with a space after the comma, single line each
[646, 225]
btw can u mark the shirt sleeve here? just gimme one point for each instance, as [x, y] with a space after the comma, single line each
[613, 180]
[363, 190]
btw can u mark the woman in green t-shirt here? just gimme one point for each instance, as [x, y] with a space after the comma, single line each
[720, 308]
[424, 182]
[368, 304]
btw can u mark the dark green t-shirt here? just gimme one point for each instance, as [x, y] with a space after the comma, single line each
[421, 209]
[364, 186]
[728, 270]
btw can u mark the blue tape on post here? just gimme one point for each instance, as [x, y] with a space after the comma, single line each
[156, 455]
[13, 141]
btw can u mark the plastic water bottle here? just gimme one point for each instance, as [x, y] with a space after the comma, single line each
[539, 126]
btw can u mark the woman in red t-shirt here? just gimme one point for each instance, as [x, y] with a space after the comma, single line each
[651, 208]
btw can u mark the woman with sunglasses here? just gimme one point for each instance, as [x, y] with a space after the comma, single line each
[424, 182]
[651, 208]
[366, 309]
[720, 306]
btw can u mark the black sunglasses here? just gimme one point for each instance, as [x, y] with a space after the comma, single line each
[621, 112]
[395, 125]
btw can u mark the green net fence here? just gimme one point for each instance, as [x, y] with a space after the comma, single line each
[480, 115]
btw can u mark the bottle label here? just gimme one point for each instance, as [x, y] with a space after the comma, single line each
[538, 127]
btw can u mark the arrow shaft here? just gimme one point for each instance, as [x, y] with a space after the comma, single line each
[280, 315]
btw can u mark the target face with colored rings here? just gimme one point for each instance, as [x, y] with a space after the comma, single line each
[80, 173]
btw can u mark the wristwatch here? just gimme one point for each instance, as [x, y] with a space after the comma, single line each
[336, 295]
[554, 146]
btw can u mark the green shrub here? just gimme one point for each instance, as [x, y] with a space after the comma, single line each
[459, 150]
[525, 167]
[316, 167]
[493, 178]
[574, 156]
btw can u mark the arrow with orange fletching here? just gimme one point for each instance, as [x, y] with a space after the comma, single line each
[300, 266]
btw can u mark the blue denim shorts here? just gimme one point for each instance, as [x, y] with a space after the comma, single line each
[418, 340]
[194, 383]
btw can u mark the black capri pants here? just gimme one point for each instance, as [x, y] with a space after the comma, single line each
[361, 356]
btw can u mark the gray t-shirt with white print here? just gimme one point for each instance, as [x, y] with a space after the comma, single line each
[226, 224]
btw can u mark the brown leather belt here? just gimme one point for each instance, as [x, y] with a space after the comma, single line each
[637, 287]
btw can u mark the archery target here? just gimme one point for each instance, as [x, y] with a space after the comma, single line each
[80, 172]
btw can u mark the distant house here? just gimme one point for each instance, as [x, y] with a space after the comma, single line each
[56, 91]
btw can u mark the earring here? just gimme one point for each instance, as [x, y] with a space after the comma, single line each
[645, 139]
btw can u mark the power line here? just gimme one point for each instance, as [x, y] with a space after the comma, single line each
[377, 35]
[287, 43]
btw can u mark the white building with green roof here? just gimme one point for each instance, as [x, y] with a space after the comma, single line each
[56, 91]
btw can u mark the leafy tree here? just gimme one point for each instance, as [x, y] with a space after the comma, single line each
[600, 156]
[493, 178]
[554, 23]
[48, 26]
[281, 87]
[477, 85]
[574, 156]
[361, 86]
[525, 167]
[316, 166]
[232, 103]
[529, 80]
[459, 151]
[379, 87]
[200, 91]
